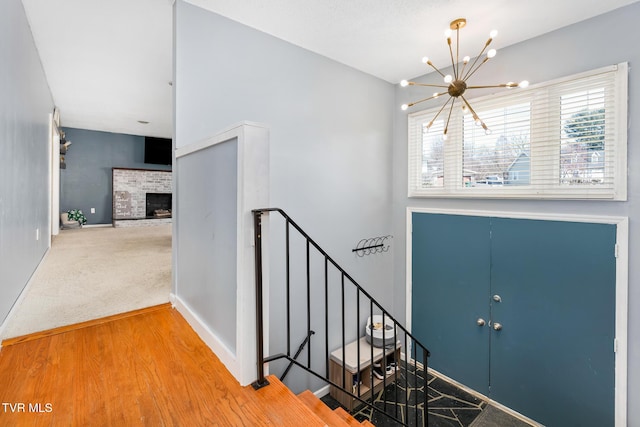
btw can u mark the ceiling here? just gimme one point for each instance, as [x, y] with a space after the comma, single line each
[109, 63]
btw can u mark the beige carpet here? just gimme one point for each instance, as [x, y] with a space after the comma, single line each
[95, 272]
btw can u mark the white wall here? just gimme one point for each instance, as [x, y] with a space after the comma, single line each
[25, 105]
[604, 40]
[330, 132]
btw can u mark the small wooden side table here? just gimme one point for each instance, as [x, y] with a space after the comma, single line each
[358, 374]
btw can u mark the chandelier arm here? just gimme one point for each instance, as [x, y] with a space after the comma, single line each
[438, 113]
[446, 126]
[472, 72]
[474, 114]
[435, 68]
[490, 86]
[473, 65]
[476, 60]
[453, 64]
[464, 65]
[426, 85]
[426, 99]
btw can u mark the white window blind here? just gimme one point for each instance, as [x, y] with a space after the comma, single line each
[563, 139]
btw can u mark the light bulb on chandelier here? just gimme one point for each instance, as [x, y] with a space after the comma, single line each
[456, 84]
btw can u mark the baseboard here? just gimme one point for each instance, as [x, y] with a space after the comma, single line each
[97, 225]
[323, 391]
[21, 297]
[226, 356]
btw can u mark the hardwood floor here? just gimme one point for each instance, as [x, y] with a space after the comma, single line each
[149, 369]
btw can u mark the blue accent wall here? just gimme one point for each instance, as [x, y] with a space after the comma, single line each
[86, 182]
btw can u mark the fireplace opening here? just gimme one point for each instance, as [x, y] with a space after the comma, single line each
[158, 205]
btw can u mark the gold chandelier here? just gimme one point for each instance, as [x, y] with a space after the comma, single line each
[456, 85]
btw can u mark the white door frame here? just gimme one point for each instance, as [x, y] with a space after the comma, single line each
[622, 281]
[54, 180]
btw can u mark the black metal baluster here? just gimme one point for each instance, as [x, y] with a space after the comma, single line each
[358, 379]
[326, 314]
[383, 363]
[415, 372]
[288, 282]
[407, 355]
[396, 364]
[425, 419]
[344, 352]
[308, 303]
[371, 348]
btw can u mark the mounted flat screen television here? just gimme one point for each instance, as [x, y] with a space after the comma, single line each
[157, 150]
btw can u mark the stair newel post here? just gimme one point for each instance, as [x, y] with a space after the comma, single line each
[261, 381]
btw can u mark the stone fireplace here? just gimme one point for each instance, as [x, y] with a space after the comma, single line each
[137, 194]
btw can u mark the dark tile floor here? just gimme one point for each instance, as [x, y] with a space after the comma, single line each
[449, 406]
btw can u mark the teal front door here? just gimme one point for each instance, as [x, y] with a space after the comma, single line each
[522, 311]
[451, 279]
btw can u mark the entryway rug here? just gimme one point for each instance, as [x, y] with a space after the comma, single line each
[449, 405]
[492, 417]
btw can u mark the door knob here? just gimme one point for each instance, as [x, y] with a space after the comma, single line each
[497, 298]
[480, 321]
[497, 326]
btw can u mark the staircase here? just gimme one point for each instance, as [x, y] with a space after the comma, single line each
[336, 417]
[305, 406]
[324, 308]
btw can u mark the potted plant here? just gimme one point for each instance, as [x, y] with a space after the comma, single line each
[77, 215]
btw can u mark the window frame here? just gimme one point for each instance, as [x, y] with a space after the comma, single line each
[544, 116]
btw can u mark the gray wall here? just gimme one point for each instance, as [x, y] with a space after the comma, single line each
[604, 40]
[25, 105]
[330, 133]
[208, 207]
[86, 182]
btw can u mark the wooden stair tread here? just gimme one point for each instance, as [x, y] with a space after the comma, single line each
[281, 400]
[319, 408]
[347, 417]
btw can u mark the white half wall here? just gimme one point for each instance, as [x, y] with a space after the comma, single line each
[218, 182]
